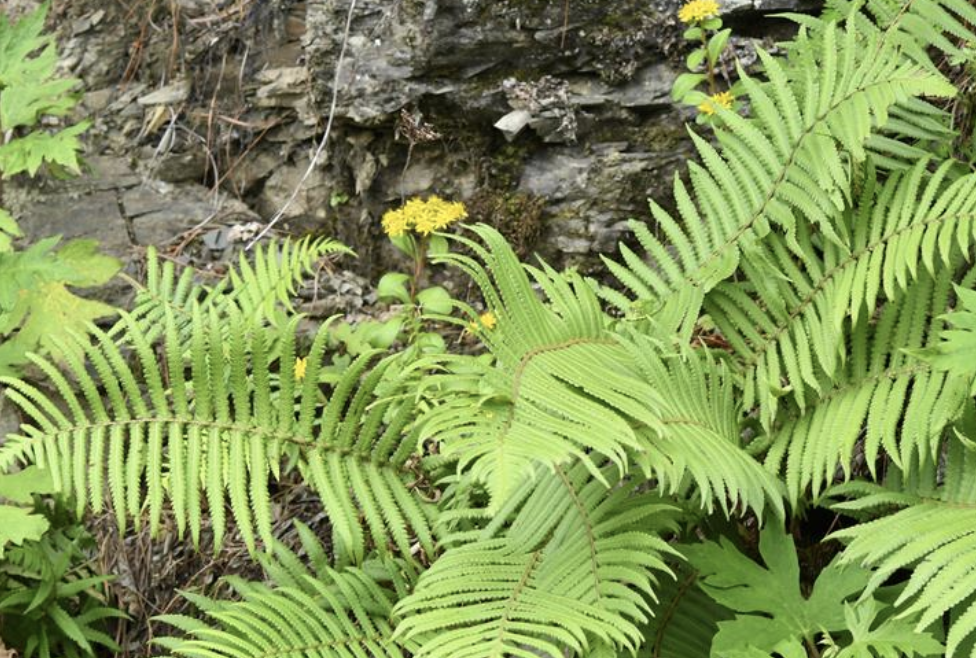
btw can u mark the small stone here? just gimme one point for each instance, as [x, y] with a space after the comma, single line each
[98, 100]
[513, 123]
[169, 95]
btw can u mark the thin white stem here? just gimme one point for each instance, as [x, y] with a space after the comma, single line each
[325, 138]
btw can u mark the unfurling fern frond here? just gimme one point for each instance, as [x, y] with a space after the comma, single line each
[884, 398]
[212, 427]
[335, 615]
[789, 331]
[933, 535]
[573, 569]
[259, 290]
[789, 160]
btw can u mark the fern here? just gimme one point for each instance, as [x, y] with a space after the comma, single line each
[790, 330]
[219, 435]
[932, 535]
[261, 291]
[540, 404]
[337, 613]
[824, 250]
[808, 121]
[900, 402]
[573, 567]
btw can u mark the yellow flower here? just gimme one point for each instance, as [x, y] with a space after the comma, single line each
[395, 223]
[697, 11]
[488, 320]
[424, 217]
[725, 99]
[300, 366]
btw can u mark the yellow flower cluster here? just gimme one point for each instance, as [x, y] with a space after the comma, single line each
[424, 217]
[709, 105]
[697, 11]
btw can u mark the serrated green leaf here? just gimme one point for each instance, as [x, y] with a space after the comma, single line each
[19, 524]
[21, 486]
[776, 612]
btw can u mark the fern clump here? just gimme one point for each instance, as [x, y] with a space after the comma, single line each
[641, 469]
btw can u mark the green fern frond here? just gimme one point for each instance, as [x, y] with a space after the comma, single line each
[259, 290]
[340, 614]
[213, 430]
[789, 331]
[296, 570]
[789, 160]
[697, 440]
[540, 403]
[918, 25]
[884, 398]
[574, 568]
[933, 536]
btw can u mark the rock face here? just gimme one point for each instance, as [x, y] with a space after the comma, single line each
[553, 120]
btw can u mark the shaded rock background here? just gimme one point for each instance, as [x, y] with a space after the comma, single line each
[551, 120]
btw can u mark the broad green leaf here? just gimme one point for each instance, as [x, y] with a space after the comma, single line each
[18, 41]
[685, 83]
[894, 636]
[8, 231]
[393, 286]
[29, 153]
[20, 487]
[50, 312]
[24, 105]
[87, 266]
[775, 611]
[19, 524]
[435, 300]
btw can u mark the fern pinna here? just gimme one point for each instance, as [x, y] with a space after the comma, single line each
[797, 336]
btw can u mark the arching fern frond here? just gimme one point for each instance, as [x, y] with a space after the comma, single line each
[933, 535]
[574, 567]
[884, 396]
[697, 441]
[337, 615]
[789, 331]
[541, 403]
[285, 567]
[260, 290]
[212, 428]
[789, 160]
[918, 25]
